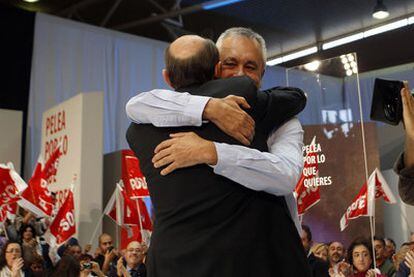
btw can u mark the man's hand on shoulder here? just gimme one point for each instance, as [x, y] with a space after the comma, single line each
[183, 150]
[227, 114]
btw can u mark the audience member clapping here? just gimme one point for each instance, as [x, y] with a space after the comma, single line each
[383, 263]
[361, 259]
[390, 248]
[11, 261]
[132, 264]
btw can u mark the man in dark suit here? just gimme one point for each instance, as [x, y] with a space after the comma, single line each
[207, 225]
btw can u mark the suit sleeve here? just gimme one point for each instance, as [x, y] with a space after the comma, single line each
[277, 105]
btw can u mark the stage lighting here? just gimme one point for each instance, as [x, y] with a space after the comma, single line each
[31, 1]
[380, 11]
[312, 66]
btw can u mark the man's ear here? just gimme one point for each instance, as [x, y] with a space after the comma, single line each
[166, 78]
[217, 70]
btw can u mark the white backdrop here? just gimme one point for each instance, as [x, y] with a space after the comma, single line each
[71, 57]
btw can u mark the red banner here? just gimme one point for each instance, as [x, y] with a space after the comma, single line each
[307, 195]
[364, 203]
[132, 177]
[7, 211]
[134, 232]
[63, 226]
[129, 234]
[11, 185]
[37, 198]
[130, 212]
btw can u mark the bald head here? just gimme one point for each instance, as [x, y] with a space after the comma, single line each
[190, 60]
[186, 46]
[134, 254]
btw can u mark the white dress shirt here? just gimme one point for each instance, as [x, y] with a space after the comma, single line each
[276, 172]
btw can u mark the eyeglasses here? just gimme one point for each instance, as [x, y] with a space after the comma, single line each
[18, 251]
[137, 250]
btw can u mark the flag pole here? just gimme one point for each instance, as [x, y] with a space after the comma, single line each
[139, 219]
[5, 231]
[371, 223]
[96, 228]
[101, 218]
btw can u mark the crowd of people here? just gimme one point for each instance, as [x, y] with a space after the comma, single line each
[25, 251]
[361, 258]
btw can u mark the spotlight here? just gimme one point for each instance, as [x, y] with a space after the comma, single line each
[31, 1]
[355, 70]
[380, 11]
[312, 66]
[349, 72]
[344, 60]
[347, 66]
[353, 64]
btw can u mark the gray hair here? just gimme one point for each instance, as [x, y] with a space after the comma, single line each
[244, 32]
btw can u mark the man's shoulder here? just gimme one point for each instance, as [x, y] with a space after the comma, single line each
[223, 87]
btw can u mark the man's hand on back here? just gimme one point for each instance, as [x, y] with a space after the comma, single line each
[227, 114]
[183, 150]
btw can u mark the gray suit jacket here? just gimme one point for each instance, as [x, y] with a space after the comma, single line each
[406, 180]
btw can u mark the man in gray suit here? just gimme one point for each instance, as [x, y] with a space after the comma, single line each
[404, 166]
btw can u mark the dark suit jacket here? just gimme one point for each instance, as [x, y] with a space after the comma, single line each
[319, 267]
[207, 225]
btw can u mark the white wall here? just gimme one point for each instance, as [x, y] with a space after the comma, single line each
[399, 217]
[11, 123]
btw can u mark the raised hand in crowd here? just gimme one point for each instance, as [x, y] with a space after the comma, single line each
[16, 268]
[344, 269]
[87, 248]
[89, 266]
[110, 254]
[98, 252]
[120, 268]
[409, 261]
[408, 116]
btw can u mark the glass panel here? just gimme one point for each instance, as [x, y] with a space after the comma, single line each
[345, 148]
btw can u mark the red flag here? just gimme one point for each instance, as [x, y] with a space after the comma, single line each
[362, 204]
[382, 189]
[50, 169]
[129, 234]
[134, 180]
[144, 216]
[110, 209]
[37, 197]
[130, 212]
[306, 197]
[63, 226]
[7, 211]
[11, 185]
[307, 194]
